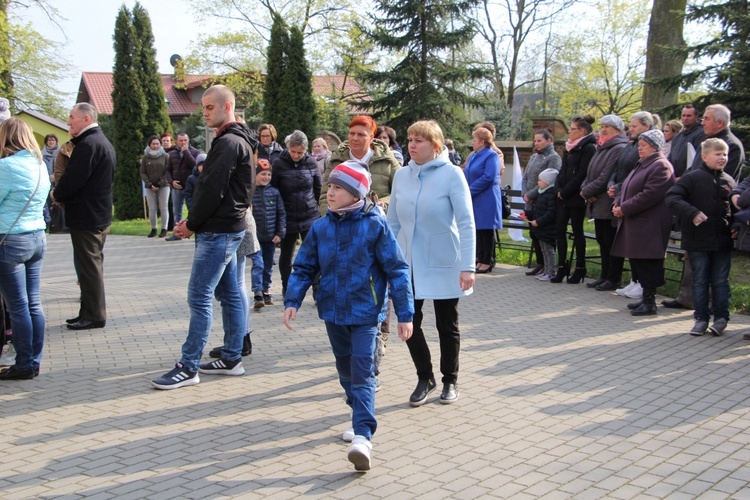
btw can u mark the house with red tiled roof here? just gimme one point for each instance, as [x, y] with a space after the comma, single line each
[185, 97]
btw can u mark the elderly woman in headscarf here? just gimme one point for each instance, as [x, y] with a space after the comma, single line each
[644, 221]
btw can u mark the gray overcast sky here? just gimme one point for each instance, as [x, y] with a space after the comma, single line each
[90, 25]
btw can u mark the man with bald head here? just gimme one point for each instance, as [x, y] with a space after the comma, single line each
[221, 199]
[85, 190]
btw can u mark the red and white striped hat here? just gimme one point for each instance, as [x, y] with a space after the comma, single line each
[352, 176]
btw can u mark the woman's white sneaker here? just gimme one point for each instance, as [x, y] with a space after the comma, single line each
[624, 290]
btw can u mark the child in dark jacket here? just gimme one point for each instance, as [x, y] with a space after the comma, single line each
[543, 221]
[193, 178]
[270, 220]
[356, 254]
[701, 200]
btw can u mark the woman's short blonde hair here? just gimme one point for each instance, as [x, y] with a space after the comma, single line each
[483, 135]
[320, 140]
[15, 136]
[430, 130]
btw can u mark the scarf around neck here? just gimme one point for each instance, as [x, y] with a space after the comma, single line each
[570, 144]
[154, 153]
[351, 208]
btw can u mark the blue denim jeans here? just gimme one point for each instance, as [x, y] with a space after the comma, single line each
[711, 268]
[21, 257]
[267, 250]
[242, 285]
[178, 198]
[256, 274]
[354, 347]
[214, 272]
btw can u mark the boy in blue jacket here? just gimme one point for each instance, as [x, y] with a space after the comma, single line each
[356, 254]
[270, 221]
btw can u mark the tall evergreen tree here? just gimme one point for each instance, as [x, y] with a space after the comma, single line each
[425, 84]
[157, 115]
[275, 69]
[728, 72]
[295, 97]
[128, 117]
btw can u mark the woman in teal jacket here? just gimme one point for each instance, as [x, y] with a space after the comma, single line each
[432, 217]
[23, 193]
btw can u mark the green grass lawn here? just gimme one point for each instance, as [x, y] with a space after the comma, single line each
[739, 276]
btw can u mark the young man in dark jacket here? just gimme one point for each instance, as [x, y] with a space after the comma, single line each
[221, 199]
[701, 200]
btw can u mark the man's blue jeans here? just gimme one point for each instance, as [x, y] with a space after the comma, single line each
[21, 257]
[178, 197]
[263, 278]
[711, 268]
[214, 272]
[353, 347]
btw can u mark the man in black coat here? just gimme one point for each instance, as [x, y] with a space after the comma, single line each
[716, 122]
[692, 133]
[85, 190]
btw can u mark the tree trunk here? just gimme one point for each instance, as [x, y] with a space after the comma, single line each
[664, 32]
[6, 77]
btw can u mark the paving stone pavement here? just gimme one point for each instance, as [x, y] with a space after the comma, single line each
[563, 395]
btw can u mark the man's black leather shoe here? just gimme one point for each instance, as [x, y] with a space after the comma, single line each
[672, 304]
[73, 320]
[424, 388]
[596, 283]
[84, 324]
[607, 286]
[12, 373]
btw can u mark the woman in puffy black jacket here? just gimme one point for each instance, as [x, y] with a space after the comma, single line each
[296, 176]
[579, 149]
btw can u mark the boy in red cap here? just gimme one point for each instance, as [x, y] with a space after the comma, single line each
[356, 254]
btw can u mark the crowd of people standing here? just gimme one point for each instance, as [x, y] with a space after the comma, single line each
[374, 230]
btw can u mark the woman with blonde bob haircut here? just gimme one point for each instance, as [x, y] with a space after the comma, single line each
[431, 215]
[23, 243]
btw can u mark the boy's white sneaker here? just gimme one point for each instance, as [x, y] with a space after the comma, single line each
[636, 292]
[624, 290]
[359, 453]
[348, 435]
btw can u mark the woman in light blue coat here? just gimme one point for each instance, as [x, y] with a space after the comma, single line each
[23, 194]
[431, 215]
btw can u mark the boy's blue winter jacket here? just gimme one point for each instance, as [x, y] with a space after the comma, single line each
[357, 256]
[269, 213]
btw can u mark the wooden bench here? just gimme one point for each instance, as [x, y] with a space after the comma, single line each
[523, 246]
[673, 248]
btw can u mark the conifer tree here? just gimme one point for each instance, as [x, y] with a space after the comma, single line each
[275, 68]
[128, 118]
[425, 84]
[157, 115]
[295, 95]
[728, 72]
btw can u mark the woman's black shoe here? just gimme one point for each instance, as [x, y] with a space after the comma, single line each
[163, 233]
[423, 389]
[562, 273]
[577, 276]
[152, 233]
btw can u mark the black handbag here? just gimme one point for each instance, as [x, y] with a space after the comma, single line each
[506, 204]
